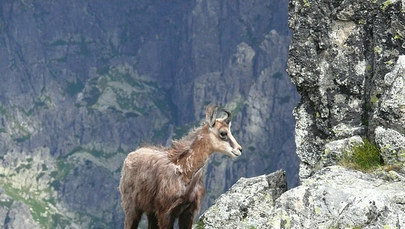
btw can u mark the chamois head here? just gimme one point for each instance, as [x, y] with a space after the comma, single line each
[220, 133]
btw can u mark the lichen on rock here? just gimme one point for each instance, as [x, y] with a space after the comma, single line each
[348, 68]
[247, 203]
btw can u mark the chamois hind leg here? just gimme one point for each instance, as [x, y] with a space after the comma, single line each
[152, 221]
[186, 218]
[132, 218]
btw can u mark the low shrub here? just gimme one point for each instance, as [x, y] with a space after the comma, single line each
[363, 157]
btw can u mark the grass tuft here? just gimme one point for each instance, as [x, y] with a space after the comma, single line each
[363, 157]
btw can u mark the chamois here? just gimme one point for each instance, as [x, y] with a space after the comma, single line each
[167, 183]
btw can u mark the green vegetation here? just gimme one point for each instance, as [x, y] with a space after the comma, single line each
[3, 111]
[363, 157]
[42, 101]
[40, 208]
[22, 138]
[238, 107]
[63, 169]
[73, 88]
[92, 97]
[385, 5]
[377, 49]
[200, 224]
[374, 99]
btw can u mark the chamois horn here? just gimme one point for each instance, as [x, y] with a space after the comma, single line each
[228, 118]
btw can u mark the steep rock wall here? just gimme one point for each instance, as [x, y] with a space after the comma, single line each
[346, 58]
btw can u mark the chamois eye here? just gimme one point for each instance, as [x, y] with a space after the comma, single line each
[222, 134]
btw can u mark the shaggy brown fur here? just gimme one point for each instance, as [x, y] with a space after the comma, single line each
[168, 183]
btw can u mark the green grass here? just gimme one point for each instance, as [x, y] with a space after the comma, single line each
[38, 207]
[22, 138]
[63, 169]
[3, 111]
[238, 107]
[200, 224]
[363, 157]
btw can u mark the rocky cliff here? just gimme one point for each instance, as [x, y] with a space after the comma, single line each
[334, 197]
[347, 60]
[84, 83]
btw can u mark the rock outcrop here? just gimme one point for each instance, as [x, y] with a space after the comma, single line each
[335, 197]
[15, 214]
[347, 59]
[247, 203]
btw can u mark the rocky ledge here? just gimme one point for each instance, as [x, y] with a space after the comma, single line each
[336, 197]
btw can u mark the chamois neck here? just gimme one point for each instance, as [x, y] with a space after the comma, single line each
[192, 157]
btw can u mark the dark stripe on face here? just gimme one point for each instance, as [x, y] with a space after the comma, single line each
[231, 143]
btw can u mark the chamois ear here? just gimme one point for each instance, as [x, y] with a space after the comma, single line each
[211, 114]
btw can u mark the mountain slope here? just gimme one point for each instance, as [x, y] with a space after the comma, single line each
[85, 83]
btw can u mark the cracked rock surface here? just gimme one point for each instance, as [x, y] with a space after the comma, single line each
[247, 203]
[337, 197]
[347, 60]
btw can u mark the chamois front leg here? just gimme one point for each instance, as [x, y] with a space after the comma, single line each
[132, 218]
[152, 221]
[186, 218]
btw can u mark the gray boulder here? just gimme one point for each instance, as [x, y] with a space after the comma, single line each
[247, 203]
[335, 197]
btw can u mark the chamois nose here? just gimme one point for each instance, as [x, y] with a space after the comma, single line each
[240, 149]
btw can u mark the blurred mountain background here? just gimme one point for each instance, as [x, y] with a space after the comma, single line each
[83, 83]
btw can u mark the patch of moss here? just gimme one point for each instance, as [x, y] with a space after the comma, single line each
[200, 224]
[363, 157]
[385, 5]
[377, 49]
[374, 99]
